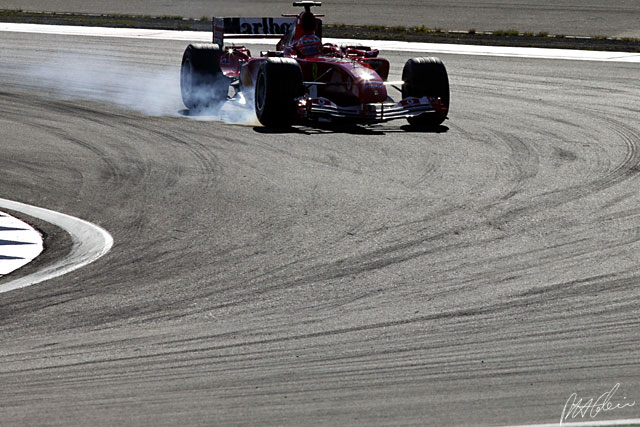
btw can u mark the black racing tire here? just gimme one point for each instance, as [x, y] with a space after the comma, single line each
[426, 77]
[202, 83]
[278, 84]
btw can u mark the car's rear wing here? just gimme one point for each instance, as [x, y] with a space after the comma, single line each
[249, 27]
[254, 28]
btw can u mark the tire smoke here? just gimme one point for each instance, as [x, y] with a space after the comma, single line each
[150, 89]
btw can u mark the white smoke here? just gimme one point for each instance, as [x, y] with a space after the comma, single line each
[147, 89]
[238, 111]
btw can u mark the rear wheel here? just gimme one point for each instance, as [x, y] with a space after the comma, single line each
[202, 83]
[426, 77]
[278, 84]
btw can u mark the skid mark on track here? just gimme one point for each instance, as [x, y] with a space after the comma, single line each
[629, 167]
[499, 218]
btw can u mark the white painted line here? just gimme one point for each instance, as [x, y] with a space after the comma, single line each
[630, 422]
[435, 48]
[133, 33]
[505, 51]
[90, 242]
[19, 243]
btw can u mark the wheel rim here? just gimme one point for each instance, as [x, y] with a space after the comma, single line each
[261, 89]
[186, 81]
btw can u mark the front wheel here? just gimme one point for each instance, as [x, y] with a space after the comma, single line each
[426, 77]
[278, 84]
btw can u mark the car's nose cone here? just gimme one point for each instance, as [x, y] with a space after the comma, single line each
[372, 91]
[371, 88]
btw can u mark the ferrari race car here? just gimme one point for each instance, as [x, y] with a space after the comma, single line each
[305, 80]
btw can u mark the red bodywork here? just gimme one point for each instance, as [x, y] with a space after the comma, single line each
[346, 81]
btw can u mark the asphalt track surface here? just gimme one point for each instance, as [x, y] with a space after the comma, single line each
[478, 275]
[614, 18]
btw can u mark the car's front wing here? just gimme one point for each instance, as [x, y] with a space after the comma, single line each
[323, 109]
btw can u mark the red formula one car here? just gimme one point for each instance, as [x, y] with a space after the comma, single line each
[305, 80]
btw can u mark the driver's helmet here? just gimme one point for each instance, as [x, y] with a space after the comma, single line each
[308, 45]
[308, 23]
